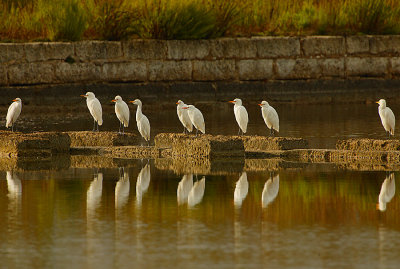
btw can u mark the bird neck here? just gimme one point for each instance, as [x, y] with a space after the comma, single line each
[139, 113]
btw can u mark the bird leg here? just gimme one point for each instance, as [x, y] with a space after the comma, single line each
[98, 127]
[184, 130]
[196, 132]
[94, 126]
[239, 132]
[119, 129]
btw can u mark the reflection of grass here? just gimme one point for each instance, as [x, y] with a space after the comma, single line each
[192, 19]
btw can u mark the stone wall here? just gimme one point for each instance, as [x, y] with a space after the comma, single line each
[228, 59]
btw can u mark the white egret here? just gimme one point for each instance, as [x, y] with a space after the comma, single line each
[270, 191]
[387, 117]
[122, 112]
[242, 118]
[95, 109]
[270, 116]
[197, 192]
[196, 117]
[241, 190]
[13, 113]
[387, 192]
[14, 186]
[184, 187]
[142, 121]
[183, 116]
[142, 183]
[93, 194]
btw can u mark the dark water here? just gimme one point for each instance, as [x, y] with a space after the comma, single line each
[321, 124]
[89, 218]
[313, 217]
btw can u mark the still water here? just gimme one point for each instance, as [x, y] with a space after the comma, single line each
[142, 217]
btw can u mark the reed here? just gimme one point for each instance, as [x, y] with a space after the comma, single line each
[27, 20]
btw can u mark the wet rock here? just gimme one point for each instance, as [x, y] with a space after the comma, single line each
[264, 143]
[55, 162]
[257, 165]
[368, 144]
[132, 152]
[201, 146]
[101, 139]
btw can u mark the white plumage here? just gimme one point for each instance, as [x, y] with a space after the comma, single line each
[241, 190]
[270, 116]
[183, 116]
[196, 117]
[242, 118]
[13, 113]
[142, 121]
[142, 183]
[94, 192]
[197, 192]
[122, 190]
[270, 191]
[387, 192]
[95, 109]
[122, 112]
[387, 117]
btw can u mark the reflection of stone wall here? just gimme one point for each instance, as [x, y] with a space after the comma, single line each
[229, 59]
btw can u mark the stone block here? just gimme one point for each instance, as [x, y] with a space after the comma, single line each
[145, 49]
[255, 69]
[214, 70]
[385, 45]
[367, 67]
[3, 74]
[30, 73]
[265, 143]
[323, 45]
[236, 48]
[170, 70]
[48, 51]
[101, 139]
[77, 72]
[357, 44]
[368, 144]
[274, 47]
[10, 52]
[395, 63]
[98, 50]
[188, 49]
[297, 68]
[333, 67]
[204, 146]
[125, 71]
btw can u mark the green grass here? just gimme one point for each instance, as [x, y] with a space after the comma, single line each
[71, 20]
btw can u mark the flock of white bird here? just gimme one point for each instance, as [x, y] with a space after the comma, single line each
[188, 115]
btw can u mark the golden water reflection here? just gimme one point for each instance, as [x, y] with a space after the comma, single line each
[91, 218]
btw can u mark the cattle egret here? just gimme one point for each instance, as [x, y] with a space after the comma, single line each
[241, 115]
[241, 190]
[387, 192]
[122, 190]
[196, 117]
[95, 109]
[270, 116]
[184, 117]
[13, 113]
[197, 192]
[142, 121]
[270, 191]
[122, 112]
[387, 117]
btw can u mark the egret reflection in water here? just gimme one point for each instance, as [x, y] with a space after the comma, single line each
[197, 192]
[387, 192]
[241, 190]
[14, 186]
[93, 196]
[184, 187]
[270, 191]
[122, 189]
[142, 183]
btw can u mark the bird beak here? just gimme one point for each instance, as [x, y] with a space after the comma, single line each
[113, 100]
[232, 102]
[177, 103]
[83, 95]
[185, 107]
[260, 104]
[377, 102]
[15, 100]
[132, 102]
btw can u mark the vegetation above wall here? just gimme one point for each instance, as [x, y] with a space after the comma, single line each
[72, 20]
